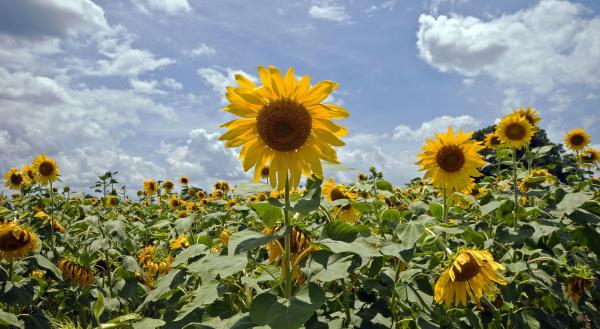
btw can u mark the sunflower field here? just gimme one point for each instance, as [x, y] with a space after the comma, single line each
[516, 247]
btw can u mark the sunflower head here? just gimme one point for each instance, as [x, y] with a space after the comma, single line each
[471, 273]
[361, 177]
[182, 214]
[174, 202]
[492, 141]
[580, 278]
[223, 186]
[150, 187]
[14, 179]
[112, 201]
[45, 169]
[301, 246]
[264, 172]
[515, 131]
[16, 241]
[224, 237]
[180, 243]
[200, 194]
[284, 125]
[262, 196]
[530, 115]
[589, 157]
[184, 180]
[333, 192]
[74, 271]
[451, 160]
[168, 185]
[577, 139]
[28, 173]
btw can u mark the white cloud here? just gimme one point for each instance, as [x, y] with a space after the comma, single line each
[330, 11]
[201, 50]
[219, 78]
[434, 126]
[387, 5]
[551, 44]
[172, 84]
[171, 7]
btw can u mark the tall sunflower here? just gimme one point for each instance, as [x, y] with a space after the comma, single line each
[184, 180]
[577, 139]
[46, 169]
[150, 187]
[515, 131]
[492, 141]
[471, 273]
[14, 179]
[451, 160]
[16, 241]
[168, 185]
[333, 192]
[530, 115]
[284, 125]
[589, 157]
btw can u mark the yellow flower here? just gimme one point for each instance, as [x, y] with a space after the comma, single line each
[530, 115]
[284, 125]
[264, 172]
[577, 139]
[451, 160]
[46, 169]
[29, 174]
[200, 194]
[224, 237]
[174, 202]
[333, 192]
[300, 247]
[589, 157]
[150, 187]
[112, 201]
[180, 243]
[536, 177]
[515, 131]
[184, 180]
[361, 177]
[492, 141]
[37, 274]
[168, 185]
[16, 241]
[75, 272]
[14, 179]
[471, 273]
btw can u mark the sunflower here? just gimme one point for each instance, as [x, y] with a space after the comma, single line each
[530, 115]
[577, 139]
[477, 191]
[150, 187]
[492, 141]
[581, 278]
[589, 157]
[224, 237]
[471, 273]
[361, 177]
[535, 178]
[112, 201]
[16, 241]
[14, 179]
[216, 194]
[262, 196]
[28, 173]
[333, 192]
[300, 244]
[154, 260]
[264, 172]
[200, 194]
[451, 160]
[184, 180]
[174, 202]
[75, 272]
[222, 185]
[46, 169]
[168, 185]
[180, 243]
[514, 131]
[230, 203]
[283, 125]
[49, 220]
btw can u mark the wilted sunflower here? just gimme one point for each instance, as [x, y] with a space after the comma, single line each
[535, 178]
[530, 115]
[577, 139]
[492, 141]
[184, 180]
[515, 131]
[283, 125]
[112, 201]
[581, 278]
[14, 179]
[180, 243]
[333, 192]
[16, 241]
[589, 157]
[300, 244]
[222, 185]
[471, 273]
[451, 160]
[49, 220]
[168, 185]
[150, 187]
[45, 168]
[75, 272]
[29, 174]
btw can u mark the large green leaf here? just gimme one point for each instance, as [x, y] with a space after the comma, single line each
[247, 240]
[192, 251]
[45, 263]
[214, 265]
[269, 214]
[9, 319]
[339, 230]
[204, 295]
[572, 201]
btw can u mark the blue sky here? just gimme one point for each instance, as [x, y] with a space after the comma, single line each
[137, 85]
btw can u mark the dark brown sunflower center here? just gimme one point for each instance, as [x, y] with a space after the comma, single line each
[284, 125]
[515, 131]
[337, 194]
[495, 140]
[264, 172]
[151, 187]
[114, 201]
[577, 140]
[46, 169]
[475, 191]
[16, 179]
[168, 185]
[468, 270]
[8, 242]
[175, 203]
[450, 158]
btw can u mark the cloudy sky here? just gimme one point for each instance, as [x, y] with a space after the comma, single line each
[137, 85]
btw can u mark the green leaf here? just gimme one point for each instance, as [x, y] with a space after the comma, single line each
[311, 199]
[391, 215]
[214, 265]
[9, 319]
[436, 210]
[148, 323]
[45, 263]
[169, 282]
[205, 295]
[384, 185]
[99, 306]
[269, 214]
[337, 269]
[359, 247]
[192, 251]
[572, 201]
[247, 240]
[409, 233]
[339, 230]
[491, 206]
[251, 187]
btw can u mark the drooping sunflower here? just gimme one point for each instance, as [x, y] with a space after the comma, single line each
[535, 178]
[150, 187]
[589, 157]
[168, 185]
[184, 180]
[16, 241]
[301, 246]
[530, 115]
[45, 169]
[577, 139]
[451, 160]
[333, 192]
[75, 272]
[180, 243]
[112, 201]
[284, 125]
[492, 141]
[515, 131]
[581, 278]
[14, 179]
[471, 273]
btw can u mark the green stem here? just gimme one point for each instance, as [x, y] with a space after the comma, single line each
[346, 304]
[445, 210]
[10, 271]
[287, 242]
[516, 189]
[51, 211]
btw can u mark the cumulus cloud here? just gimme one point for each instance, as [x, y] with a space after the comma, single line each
[201, 50]
[219, 78]
[551, 44]
[434, 126]
[330, 11]
[171, 7]
[384, 6]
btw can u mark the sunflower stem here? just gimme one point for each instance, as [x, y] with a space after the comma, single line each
[445, 210]
[516, 189]
[10, 270]
[287, 242]
[51, 215]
